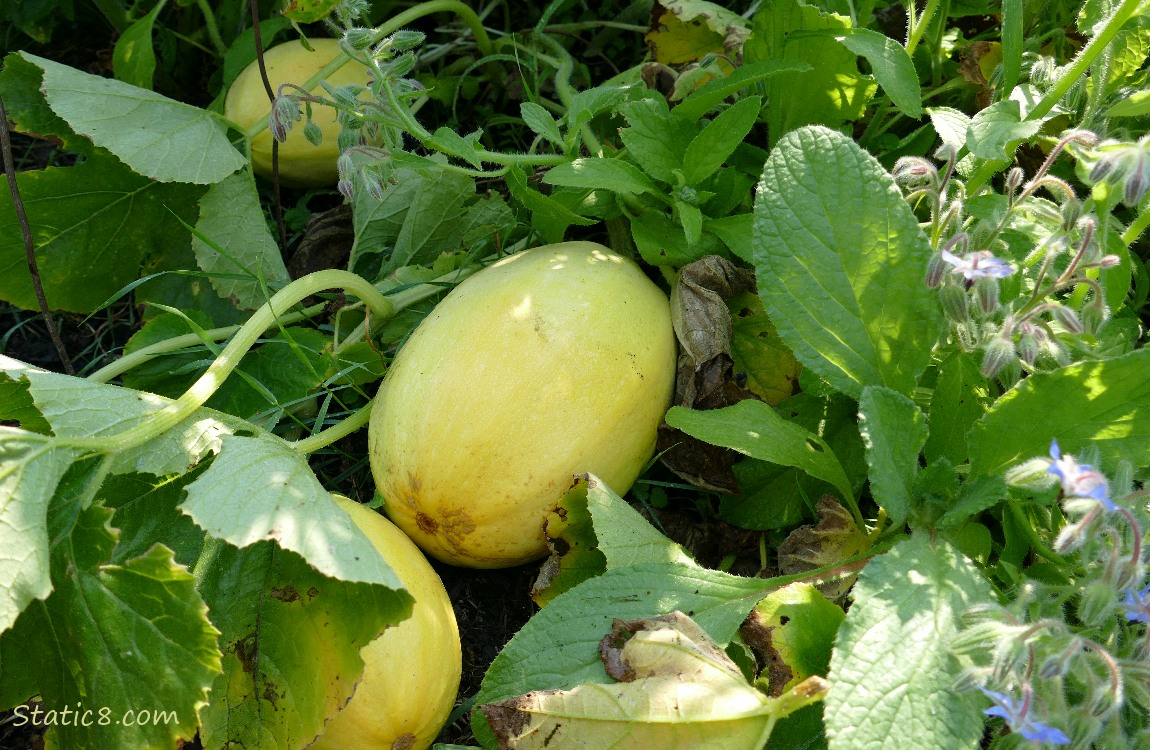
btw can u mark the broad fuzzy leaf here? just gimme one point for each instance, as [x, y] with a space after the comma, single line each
[892, 675]
[1104, 404]
[841, 262]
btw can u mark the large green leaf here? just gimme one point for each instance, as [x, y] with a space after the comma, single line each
[93, 226]
[832, 92]
[114, 638]
[260, 489]
[960, 397]
[841, 262]
[892, 67]
[1102, 404]
[157, 137]
[30, 469]
[892, 675]
[232, 219]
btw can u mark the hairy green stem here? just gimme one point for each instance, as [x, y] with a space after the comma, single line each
[212, 27]
[183, 407]
[1085, 58]
[916, 26]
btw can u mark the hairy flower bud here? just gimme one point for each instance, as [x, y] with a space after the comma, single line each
[1068, 319]
[1030, 342]
[998, 352]
[955, 303]
[986, 292]
[358, 39]
[313, 133]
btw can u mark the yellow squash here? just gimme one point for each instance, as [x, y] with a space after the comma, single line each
[411, 673]
[300, 163]
[550, 363]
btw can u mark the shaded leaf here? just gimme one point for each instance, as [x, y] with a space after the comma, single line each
[105, 621]
[684, 31]
[834, 539]
[290, 639]
[791, 632]
[96, 223]
[133, 59]
[233, 220]
[771, 369]
[894, 431]
[753, 428]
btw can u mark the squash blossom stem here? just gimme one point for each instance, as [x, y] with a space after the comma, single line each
[177, 411]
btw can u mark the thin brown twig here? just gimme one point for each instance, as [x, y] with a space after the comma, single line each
[279, 212]
[29, 246]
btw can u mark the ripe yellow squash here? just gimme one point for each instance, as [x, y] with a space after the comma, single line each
[411, 672]
[550, 363]
[300, 163]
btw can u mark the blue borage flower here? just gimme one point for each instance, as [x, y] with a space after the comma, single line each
[1079, 480]
[1018, 718]
[978, 265]
[1137, 605]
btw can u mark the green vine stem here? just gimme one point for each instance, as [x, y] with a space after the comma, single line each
[177, 411]
[133, 360]
[341, 429]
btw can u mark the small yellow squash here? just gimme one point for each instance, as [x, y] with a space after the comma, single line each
[411, 672]
[550, 363]
[300, 163]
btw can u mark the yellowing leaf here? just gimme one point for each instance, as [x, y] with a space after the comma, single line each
[678, 690]
[309, 11]
[793, 630]
[771, 368]
[685, 31]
